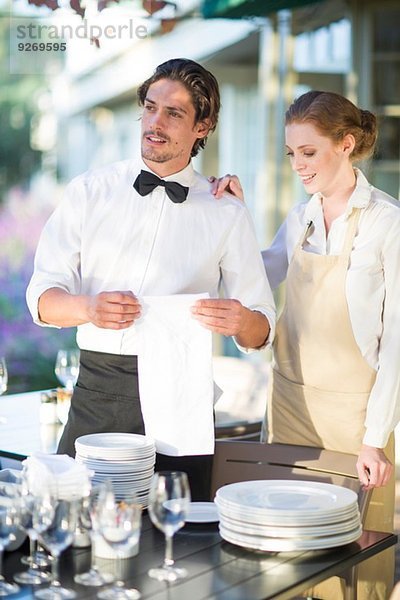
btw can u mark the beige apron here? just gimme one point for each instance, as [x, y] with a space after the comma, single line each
[320, 387]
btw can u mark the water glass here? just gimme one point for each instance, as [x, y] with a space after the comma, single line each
[56, 534]
[118, 522]
[3, 381]
[3, 375]
[169, 500]
[9, 523]
[91, 506]
[67, 368]
[36, 510]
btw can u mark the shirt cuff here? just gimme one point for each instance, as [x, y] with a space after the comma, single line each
[271, 320]
[376, 439]
[32, 300]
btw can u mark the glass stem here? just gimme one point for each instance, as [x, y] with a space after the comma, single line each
[119, 582]
[32, 544]
[1, 563]
[168, 560]
[93, 566]
[55, 571]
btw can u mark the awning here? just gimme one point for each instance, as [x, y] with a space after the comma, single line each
[235, 9]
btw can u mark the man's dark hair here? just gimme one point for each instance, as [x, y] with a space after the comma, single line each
[200, 83]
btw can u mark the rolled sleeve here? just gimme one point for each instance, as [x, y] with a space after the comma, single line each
[243, 273]
[57, 258]
[383, 410]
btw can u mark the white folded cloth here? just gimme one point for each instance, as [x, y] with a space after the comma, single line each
[175, 375]
[60, 474]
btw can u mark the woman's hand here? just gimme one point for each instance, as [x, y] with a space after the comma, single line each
[227, 183]
[374, 469]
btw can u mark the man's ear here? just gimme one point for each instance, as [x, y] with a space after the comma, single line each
[202, 128]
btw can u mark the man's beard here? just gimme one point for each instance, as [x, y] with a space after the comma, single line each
[157, 156]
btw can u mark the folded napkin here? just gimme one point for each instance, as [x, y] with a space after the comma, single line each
[175, 375]
[60, 474]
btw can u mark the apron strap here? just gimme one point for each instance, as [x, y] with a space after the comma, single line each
[351, 232]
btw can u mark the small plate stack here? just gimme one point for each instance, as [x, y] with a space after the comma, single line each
[287, 515]
[127, 459]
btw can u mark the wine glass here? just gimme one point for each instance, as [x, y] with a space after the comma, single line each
[57, 533]
[36, 509]
[119, 523]
[9, 521]
[3, 375]
[67, 368]
[169, 500]
[3, 381]
[90, 508]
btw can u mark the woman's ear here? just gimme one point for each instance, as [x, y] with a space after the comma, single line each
[348, 143]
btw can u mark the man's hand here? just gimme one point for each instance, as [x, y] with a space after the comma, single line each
[109, 310]
[227, 183]
[230, 317]
[374, 469]
[113, 310]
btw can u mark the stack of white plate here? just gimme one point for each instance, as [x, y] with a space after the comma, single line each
[127, 459]
[283, 515]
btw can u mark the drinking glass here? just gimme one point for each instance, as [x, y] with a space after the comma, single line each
[169, 500]
[119, 523]
[3, 381]
[3, 375]
[9, 521]
[36, 510]
[91, 506]
[57, 533]
[67, 368]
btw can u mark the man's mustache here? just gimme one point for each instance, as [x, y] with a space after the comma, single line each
[162, 136]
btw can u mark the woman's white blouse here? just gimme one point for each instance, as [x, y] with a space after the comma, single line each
[372, 287]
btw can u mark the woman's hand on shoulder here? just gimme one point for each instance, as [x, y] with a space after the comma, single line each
[227, 183]
[374, 469]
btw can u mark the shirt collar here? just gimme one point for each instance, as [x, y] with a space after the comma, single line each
[360, 197]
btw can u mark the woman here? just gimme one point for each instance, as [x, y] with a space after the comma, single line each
[336, 379]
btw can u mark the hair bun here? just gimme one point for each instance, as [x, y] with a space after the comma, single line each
[368, 120]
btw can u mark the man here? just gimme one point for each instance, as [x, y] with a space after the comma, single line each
[121, 232]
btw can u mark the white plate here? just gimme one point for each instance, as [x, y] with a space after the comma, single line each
[202, 512]
[117, 466]
[289, 545]
[269, 518]
[283, 497]
[279, 531]
[114, 445]
[114, 441]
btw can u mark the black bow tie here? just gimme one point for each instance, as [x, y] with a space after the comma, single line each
[146, 182]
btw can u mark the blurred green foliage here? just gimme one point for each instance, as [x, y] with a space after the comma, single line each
[17, 107]
[30, 350]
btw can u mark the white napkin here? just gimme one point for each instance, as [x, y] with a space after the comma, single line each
[175, 375]
[59, 473]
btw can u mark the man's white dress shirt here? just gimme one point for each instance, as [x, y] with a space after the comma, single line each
[104, 236]
[372, 287]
